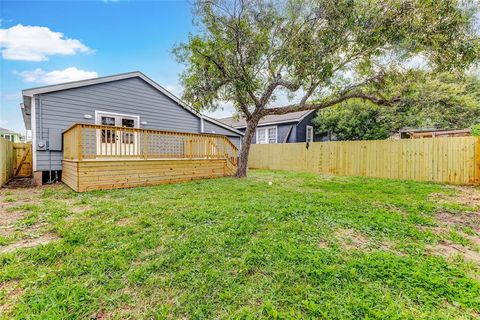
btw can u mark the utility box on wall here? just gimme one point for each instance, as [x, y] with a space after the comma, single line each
[41, 145]
[55, 139]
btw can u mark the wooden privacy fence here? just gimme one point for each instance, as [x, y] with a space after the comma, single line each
[22, 159]
[15, 160]
[454, 160]
[6, 161]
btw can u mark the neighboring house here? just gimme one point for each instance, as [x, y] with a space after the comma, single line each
[417, 133]
[287, 128]
[11, 135]
[124, 100]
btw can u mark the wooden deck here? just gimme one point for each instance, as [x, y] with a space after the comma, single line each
[103, 157]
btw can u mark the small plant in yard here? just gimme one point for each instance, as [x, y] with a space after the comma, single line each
[302, 246]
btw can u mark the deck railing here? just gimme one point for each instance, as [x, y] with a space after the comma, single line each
[88, 141]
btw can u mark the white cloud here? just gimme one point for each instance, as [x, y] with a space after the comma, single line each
[56, 76]
[33, 43]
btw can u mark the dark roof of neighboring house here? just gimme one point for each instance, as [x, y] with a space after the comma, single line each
[272, 119]
[28, 94]
[4, 130]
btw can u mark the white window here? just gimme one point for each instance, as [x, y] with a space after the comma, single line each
[117, 141]
[267, 135]
[309, 133]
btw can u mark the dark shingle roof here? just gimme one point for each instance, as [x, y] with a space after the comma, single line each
[289, 117]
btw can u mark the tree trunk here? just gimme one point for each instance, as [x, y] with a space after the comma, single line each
[245, 149]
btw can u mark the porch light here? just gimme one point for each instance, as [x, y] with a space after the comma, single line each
[143, 122]
[87, 116]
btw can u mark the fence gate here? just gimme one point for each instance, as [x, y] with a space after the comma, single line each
[23, 159]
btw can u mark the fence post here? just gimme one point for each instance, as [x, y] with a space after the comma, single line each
[145, 141]
[79, 131]
[477, 160]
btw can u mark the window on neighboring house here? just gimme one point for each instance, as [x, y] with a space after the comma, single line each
[267, 135]
[309, 137]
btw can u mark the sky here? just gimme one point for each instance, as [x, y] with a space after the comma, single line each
[47, 42]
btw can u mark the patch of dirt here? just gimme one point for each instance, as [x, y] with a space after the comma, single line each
[471, 220]
[75, 207]
[449, 250]
[323, 244]
[23, 194]
[9, 218]
[352, 239]
[123, 222]
[464, 195]
[7, 222]
[13, 291]
[29, 243]
[102, 315]
[25, 237]
[17, 183]
[468, 195]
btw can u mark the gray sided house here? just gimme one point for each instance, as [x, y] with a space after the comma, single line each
[129, 100]
[287, 128]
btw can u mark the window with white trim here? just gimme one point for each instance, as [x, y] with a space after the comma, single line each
[309, 134]
[267, 135]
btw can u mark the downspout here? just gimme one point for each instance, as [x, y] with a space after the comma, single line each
[34, 132]
[202, 125]
[40, 116]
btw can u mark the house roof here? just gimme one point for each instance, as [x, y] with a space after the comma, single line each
[267, 120]
[5, 130]
[29, 93]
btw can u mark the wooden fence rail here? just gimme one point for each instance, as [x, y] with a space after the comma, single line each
[454, 160]
[6, 161]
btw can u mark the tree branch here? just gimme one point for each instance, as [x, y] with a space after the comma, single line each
[309, 92]
[323, 105]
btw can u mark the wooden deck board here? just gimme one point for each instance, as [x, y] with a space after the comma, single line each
[87, 175]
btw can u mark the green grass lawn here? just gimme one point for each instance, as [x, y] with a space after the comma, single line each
[307, 246]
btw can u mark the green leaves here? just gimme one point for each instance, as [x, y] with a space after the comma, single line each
[443, 100]
[244, 46]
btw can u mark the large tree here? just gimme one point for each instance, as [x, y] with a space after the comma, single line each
[443, 100]
[317, 53]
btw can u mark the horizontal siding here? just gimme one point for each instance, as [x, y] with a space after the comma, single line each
[302, 127]
[210, 127]
[236, 141]
[59, 110]
[126, 174]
